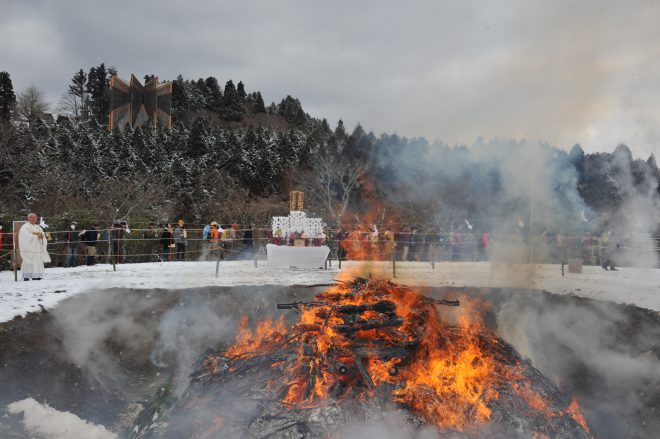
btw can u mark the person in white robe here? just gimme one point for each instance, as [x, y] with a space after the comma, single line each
[32, 244]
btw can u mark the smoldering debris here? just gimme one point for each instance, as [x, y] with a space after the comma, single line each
[608, 353]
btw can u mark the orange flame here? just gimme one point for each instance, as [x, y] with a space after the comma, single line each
[445, 373]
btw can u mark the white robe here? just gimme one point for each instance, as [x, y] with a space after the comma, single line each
[33, 251]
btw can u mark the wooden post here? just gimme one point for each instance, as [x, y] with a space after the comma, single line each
[217, 266]
[112, 259]
[14, 263]
[393, 268]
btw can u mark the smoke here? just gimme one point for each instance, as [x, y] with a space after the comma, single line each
[44, 422]
[101, 330]
[603, 350]
[192, 327]
[637, 218]
[106, 333]
[527, 195]
[388, 424]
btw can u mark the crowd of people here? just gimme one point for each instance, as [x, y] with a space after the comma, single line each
[176, 241]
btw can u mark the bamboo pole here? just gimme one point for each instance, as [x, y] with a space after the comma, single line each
[14, 263]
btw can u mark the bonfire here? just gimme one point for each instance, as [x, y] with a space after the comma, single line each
[364, 348]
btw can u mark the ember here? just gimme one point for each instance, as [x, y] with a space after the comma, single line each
[371, 344]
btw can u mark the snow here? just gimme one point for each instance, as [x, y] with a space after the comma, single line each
[639, 286]
[46, 422]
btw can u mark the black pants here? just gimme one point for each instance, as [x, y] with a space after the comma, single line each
[180, 251]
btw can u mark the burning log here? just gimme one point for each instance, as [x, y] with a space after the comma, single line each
[382, 306]
[298, 305]
[365, 325]
[441, 301]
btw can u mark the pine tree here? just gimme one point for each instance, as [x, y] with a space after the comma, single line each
[255, 103]
[76, 101]
[240, 90]
[99, 91]
[198, 144]
[233, 106]
[7, 97]
[180, 102]
[214, 102]
[291, 110]
[259, 106]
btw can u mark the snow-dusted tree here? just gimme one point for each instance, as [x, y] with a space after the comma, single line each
[98, 87]
[7, 97]
[214, 100]
[291, 110]
[31, 103]
[233, 105]
[255, 103]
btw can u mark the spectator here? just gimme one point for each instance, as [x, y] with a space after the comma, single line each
[227, 238]
[610, 252]
[116, 236]
[89, 239]
[150, 235]
[71, 238]
[32, 245]
[206, 232]
[456, 240]
[374, 241]
[248, 244]
[404, 240]
[180, 238]
[484, 247]
[389, 243]
[167, 242]
[416, 244]
[214, 238]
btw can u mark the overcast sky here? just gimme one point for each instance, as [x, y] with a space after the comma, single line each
[559, 71]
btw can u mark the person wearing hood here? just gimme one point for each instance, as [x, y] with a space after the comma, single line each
[71, 238]
[32, 244]
[180, 238]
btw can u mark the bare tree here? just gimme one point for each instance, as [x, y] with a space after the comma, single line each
[332, 182]
[70, 105]
[31, 103]
[137, 198]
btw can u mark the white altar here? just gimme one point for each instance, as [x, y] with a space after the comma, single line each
[299, 257]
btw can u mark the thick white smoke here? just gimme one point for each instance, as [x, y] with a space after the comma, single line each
[44, 422]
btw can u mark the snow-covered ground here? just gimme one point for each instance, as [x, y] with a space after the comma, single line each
[639, 286]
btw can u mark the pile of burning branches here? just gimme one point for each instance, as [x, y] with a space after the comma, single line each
[367, 345]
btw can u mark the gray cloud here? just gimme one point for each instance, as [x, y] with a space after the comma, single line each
[556, 71]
